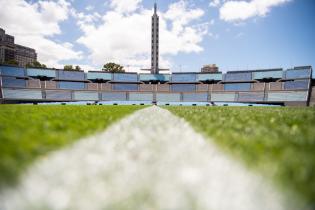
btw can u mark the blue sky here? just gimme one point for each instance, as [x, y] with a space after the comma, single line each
[235, 35]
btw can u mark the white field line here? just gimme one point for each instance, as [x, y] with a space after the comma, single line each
[151, 160]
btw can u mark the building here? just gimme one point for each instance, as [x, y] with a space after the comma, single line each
[11, 51]
[155, 43]
[212, 68]
[24, 55]
[291, 87]
[7, 47]
[155, 69]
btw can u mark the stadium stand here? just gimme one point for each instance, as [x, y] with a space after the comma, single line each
[40, 73]
[58, 95]
[154, 78]
[273, 74]
[292, 87]
[99, 76]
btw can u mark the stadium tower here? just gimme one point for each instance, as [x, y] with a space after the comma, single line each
[155, 42]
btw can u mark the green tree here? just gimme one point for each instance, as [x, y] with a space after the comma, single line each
[11, 62]
[68, 67]
[36, 64]
[113, 68]
[77, 68]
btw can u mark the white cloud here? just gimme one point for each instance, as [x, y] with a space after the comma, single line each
[241, 10]
[89, 8]
[215, 3]
[124, 34]
[34, 24]
[125, 6]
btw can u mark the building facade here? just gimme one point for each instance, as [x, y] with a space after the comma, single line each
[10, 51]
[7, 47]
[24, 55]
[155, 42]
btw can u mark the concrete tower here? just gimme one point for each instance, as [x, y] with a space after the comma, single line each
[155, 42]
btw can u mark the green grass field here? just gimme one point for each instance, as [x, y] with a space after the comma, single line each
[278, 142]
[30, 132]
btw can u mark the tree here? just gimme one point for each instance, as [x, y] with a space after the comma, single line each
[36, 64]
[68, 67]
[77, 68]
[113, 68]
[11, 62]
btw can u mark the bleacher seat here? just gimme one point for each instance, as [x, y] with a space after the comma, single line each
[237, 87]
[85, 96]
[251, 97]
[125, 77]
[58, 95]
[276, 74]
[125, 87]
[71, 75]
[31, 72]
[99, 76]
[298, 74]
[141, 97]
[205, 77]
[195, 97]
[296, 85]
[238, 77]
[184, 78]
[223, 97]
[183, 88]
[111, 96]
[154, 77]
[287, 96]
[71, 85]
[168, 97]
[22, 94]
[12, 71]
[13, 82]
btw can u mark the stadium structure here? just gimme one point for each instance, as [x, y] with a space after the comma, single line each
[292, 87]
[273, 86]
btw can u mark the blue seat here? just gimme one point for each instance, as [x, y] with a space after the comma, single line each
[154, 77]
[31, 72]
[184, 77]
[12, 71]
[13, 82]
[296, 85]
[125, 77]
[125, 87]
[298, 74]
[183, 87]
[238, 77]
[237, 87]
[99, 76]
[209, 77]
[72, 85]
[71, 75]
[259, 75]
